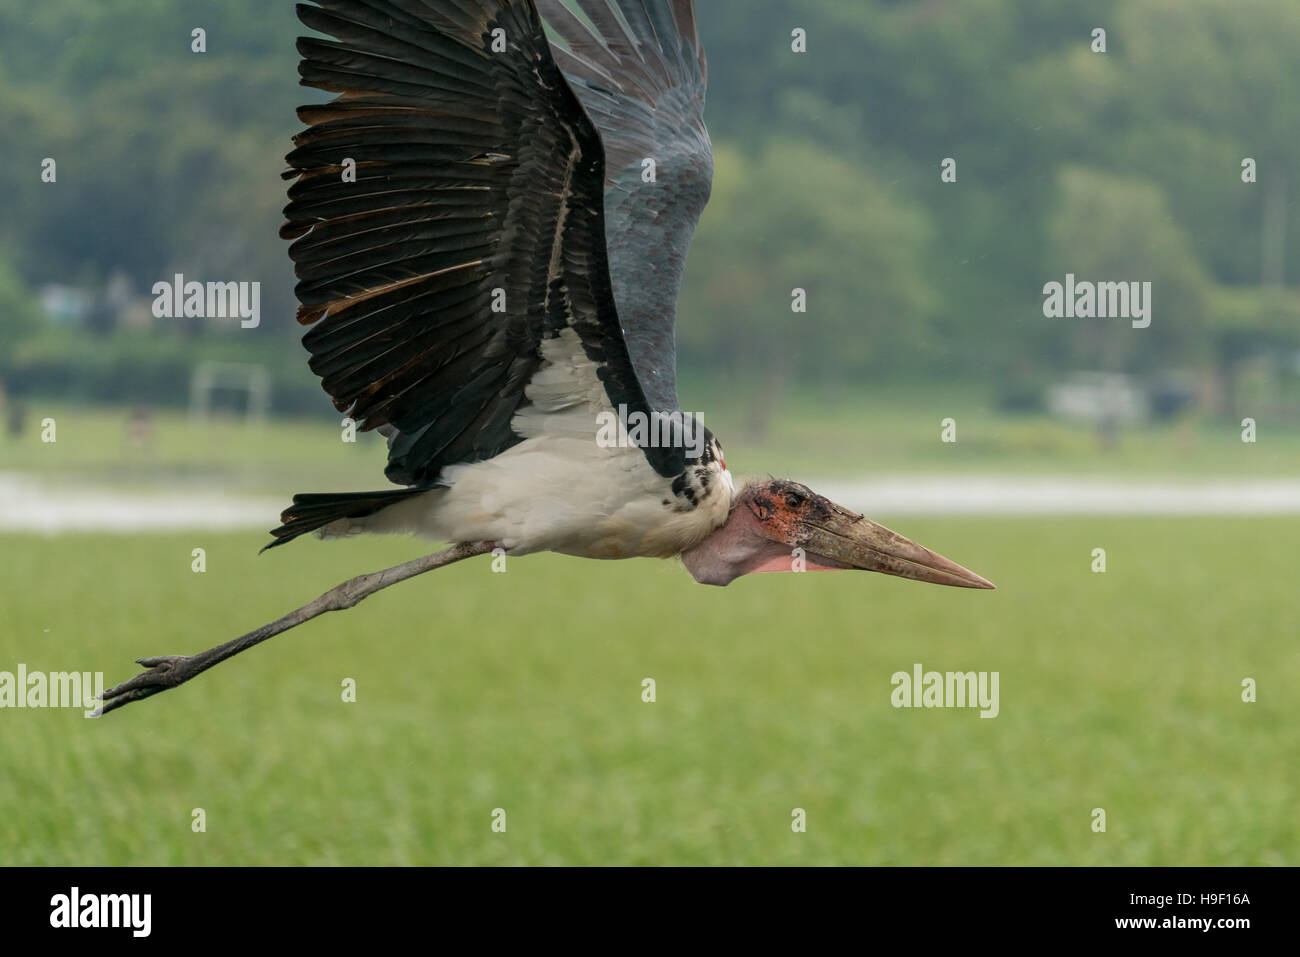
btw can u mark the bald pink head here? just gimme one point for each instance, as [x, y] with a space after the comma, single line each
[781, 526]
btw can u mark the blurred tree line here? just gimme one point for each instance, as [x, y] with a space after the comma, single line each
[1122, 165]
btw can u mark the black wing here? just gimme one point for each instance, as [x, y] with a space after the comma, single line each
[639, 71]
[477, 172]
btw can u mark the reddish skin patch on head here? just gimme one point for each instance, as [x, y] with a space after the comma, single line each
[782, 507]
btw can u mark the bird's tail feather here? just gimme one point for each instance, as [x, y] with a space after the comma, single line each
[316, 510]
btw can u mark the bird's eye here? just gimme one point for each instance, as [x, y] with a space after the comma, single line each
[793, 500]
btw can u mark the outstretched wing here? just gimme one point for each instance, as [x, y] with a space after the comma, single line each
[639, 70]
[448, 216]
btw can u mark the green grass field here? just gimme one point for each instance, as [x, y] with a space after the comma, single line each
[522, 691]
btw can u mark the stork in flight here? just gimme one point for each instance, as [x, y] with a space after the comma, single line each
[493, 289]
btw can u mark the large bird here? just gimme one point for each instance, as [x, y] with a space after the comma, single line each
[490, 227]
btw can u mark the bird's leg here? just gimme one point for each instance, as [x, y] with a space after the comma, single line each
[168, 672]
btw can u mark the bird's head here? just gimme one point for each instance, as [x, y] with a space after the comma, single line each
[782, 526]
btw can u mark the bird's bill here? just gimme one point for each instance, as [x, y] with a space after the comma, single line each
[848, 540]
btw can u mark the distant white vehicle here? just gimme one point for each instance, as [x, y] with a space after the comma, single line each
[64, 303]
[1096, 397]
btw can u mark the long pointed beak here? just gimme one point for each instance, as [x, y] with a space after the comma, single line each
[857, 542]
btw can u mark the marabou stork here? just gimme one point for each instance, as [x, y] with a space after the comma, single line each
[497, 279]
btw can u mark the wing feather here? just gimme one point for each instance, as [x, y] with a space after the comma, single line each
[639, 70]
[444, 173]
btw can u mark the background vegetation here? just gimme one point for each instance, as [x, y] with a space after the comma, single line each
[1119, 165]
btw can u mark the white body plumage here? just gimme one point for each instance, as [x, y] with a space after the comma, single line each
[560, 489]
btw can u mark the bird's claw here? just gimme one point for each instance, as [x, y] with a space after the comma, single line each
[160, 674]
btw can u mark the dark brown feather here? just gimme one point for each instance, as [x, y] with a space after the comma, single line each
[470, 166]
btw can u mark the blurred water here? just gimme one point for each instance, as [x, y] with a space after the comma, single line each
[29, 505]
[1066, 495]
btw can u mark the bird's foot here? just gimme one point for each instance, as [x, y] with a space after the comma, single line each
[160, 674]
